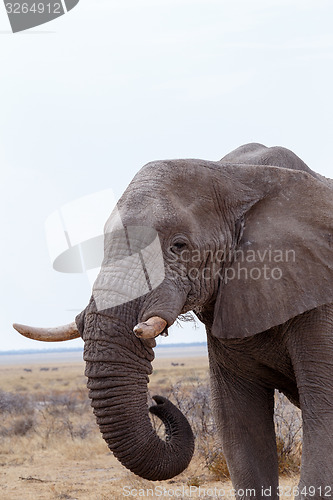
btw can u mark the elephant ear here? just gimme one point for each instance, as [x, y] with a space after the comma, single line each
[283, 263]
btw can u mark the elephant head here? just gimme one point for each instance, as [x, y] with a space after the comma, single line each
[172, 245]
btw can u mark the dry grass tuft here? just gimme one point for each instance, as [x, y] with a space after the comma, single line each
[217, 465]
[288, 427]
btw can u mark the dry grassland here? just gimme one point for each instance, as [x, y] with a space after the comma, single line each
[50, 446]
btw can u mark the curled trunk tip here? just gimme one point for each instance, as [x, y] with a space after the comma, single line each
[131, 437]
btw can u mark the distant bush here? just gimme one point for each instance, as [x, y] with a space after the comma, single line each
[288, 428]
[68, 402]
[22, 426]
[47, 415]
[17, 414]
[61, 414]
[15, 403]
[192, 396]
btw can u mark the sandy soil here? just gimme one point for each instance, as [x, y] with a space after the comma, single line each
[103, 478]
[33, 468]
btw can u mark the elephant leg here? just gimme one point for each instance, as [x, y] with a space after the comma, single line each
[244, 412]
[311, 349]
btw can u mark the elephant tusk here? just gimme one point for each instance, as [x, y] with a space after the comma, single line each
[151, 328]
[57, 334]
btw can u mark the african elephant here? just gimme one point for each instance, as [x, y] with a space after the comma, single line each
[246, 243]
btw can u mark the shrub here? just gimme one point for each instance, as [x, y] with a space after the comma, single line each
[217, 465]
[192, 396]
[15, 403]
[288, 428]
[22, 426]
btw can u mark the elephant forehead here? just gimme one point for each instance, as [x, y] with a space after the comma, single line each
[182, 211]
[168, 182]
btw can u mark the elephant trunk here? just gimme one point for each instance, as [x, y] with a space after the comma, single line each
[117, 372]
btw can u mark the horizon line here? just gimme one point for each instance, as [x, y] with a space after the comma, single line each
[11, 352]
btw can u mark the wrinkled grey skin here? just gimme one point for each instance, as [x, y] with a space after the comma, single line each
[264, 332]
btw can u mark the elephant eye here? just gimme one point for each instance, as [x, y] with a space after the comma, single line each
[177, 246]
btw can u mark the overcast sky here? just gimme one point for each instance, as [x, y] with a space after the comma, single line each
[89, 98]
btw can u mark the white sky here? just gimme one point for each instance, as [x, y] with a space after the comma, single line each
[89, 98]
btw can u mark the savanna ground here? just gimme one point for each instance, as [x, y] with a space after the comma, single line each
[50, 446]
